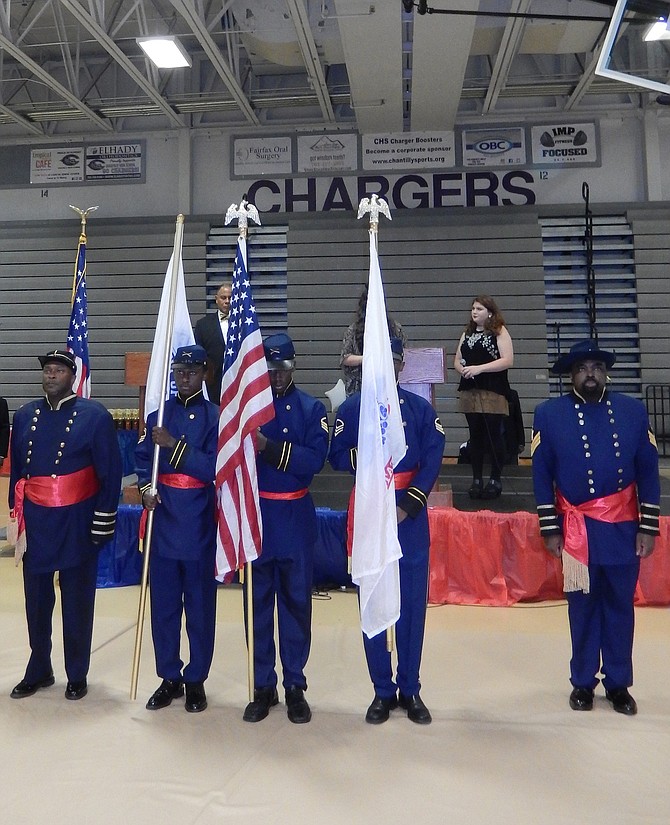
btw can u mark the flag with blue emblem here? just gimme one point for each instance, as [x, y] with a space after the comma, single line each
[376, 549]
[246, 404]
[182, 336]
[77, 334]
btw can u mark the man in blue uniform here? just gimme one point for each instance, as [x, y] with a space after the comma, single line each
[292, 448]
[595, 475]
[183, 546]
[414, 478]
[64, 490]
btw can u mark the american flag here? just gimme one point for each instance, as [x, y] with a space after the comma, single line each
[77, 334]
[246, 404]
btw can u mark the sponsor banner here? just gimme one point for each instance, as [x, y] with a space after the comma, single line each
[494, 147]
[327, 153]
[262, 156]
[408, 150]
[114, 161]
[57, 165]
[566, 143]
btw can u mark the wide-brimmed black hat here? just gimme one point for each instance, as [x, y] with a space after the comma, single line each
[59, 356]
[582, 351]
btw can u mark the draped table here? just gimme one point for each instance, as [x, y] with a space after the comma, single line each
[476, 558]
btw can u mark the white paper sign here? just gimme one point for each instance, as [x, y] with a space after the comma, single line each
[408, 150]
[565, 143]
[262, 156]
[494, 147]
[327, 153]
[56, 165]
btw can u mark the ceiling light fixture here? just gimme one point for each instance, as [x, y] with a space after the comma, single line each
[165, 52]
[657, 31]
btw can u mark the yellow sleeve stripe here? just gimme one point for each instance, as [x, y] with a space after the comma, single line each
[535, 443]
[285, 455]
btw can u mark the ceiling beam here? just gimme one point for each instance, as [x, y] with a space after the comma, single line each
[508, 50]
[440, 52]
[310, 55]
[199, 29]
[22, 121]
[124, 62]
[45, 77]
[372, 42]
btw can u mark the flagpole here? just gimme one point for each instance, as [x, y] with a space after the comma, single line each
[247, 577]
[165, 370]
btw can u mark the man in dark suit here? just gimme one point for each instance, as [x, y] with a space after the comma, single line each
[211, 333]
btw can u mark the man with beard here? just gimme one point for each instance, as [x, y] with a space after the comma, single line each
[64, 487]
[595, 476]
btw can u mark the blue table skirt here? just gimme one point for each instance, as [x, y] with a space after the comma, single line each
[127, 442]
[120, 561]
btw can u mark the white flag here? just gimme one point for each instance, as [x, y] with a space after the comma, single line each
[381, 446]
[182, 336]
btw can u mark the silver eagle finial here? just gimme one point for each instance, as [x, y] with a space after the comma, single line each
[374, 205]
[244, 213]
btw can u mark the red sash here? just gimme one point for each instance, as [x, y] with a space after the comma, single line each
[283, 496]
[50, 491]
[177, 480]
[401, 482]
[619, 506]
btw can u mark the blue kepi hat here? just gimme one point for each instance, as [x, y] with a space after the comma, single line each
[582, 351]
[279, 352]
[194, 355]
[397, 349]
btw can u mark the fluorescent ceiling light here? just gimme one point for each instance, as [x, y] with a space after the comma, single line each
[165, 52]
[658, 31]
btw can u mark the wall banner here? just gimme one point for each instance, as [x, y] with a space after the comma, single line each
[565, 144]
[48, 166]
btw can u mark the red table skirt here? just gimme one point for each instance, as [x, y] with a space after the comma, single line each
[498, 559]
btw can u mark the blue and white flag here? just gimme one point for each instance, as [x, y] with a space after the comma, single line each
[381, 446]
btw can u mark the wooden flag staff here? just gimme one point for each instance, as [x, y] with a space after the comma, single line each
[165, 371]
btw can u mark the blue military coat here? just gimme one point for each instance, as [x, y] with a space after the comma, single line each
[78, 433]
[424, 435]
[588, 451]
[185, 521]
[296, 451]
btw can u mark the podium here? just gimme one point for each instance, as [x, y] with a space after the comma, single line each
[424, 367]
[136, 371]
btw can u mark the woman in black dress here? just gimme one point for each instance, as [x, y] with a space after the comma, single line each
[483, 356]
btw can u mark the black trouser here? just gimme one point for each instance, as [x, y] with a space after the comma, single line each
[486, 436]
